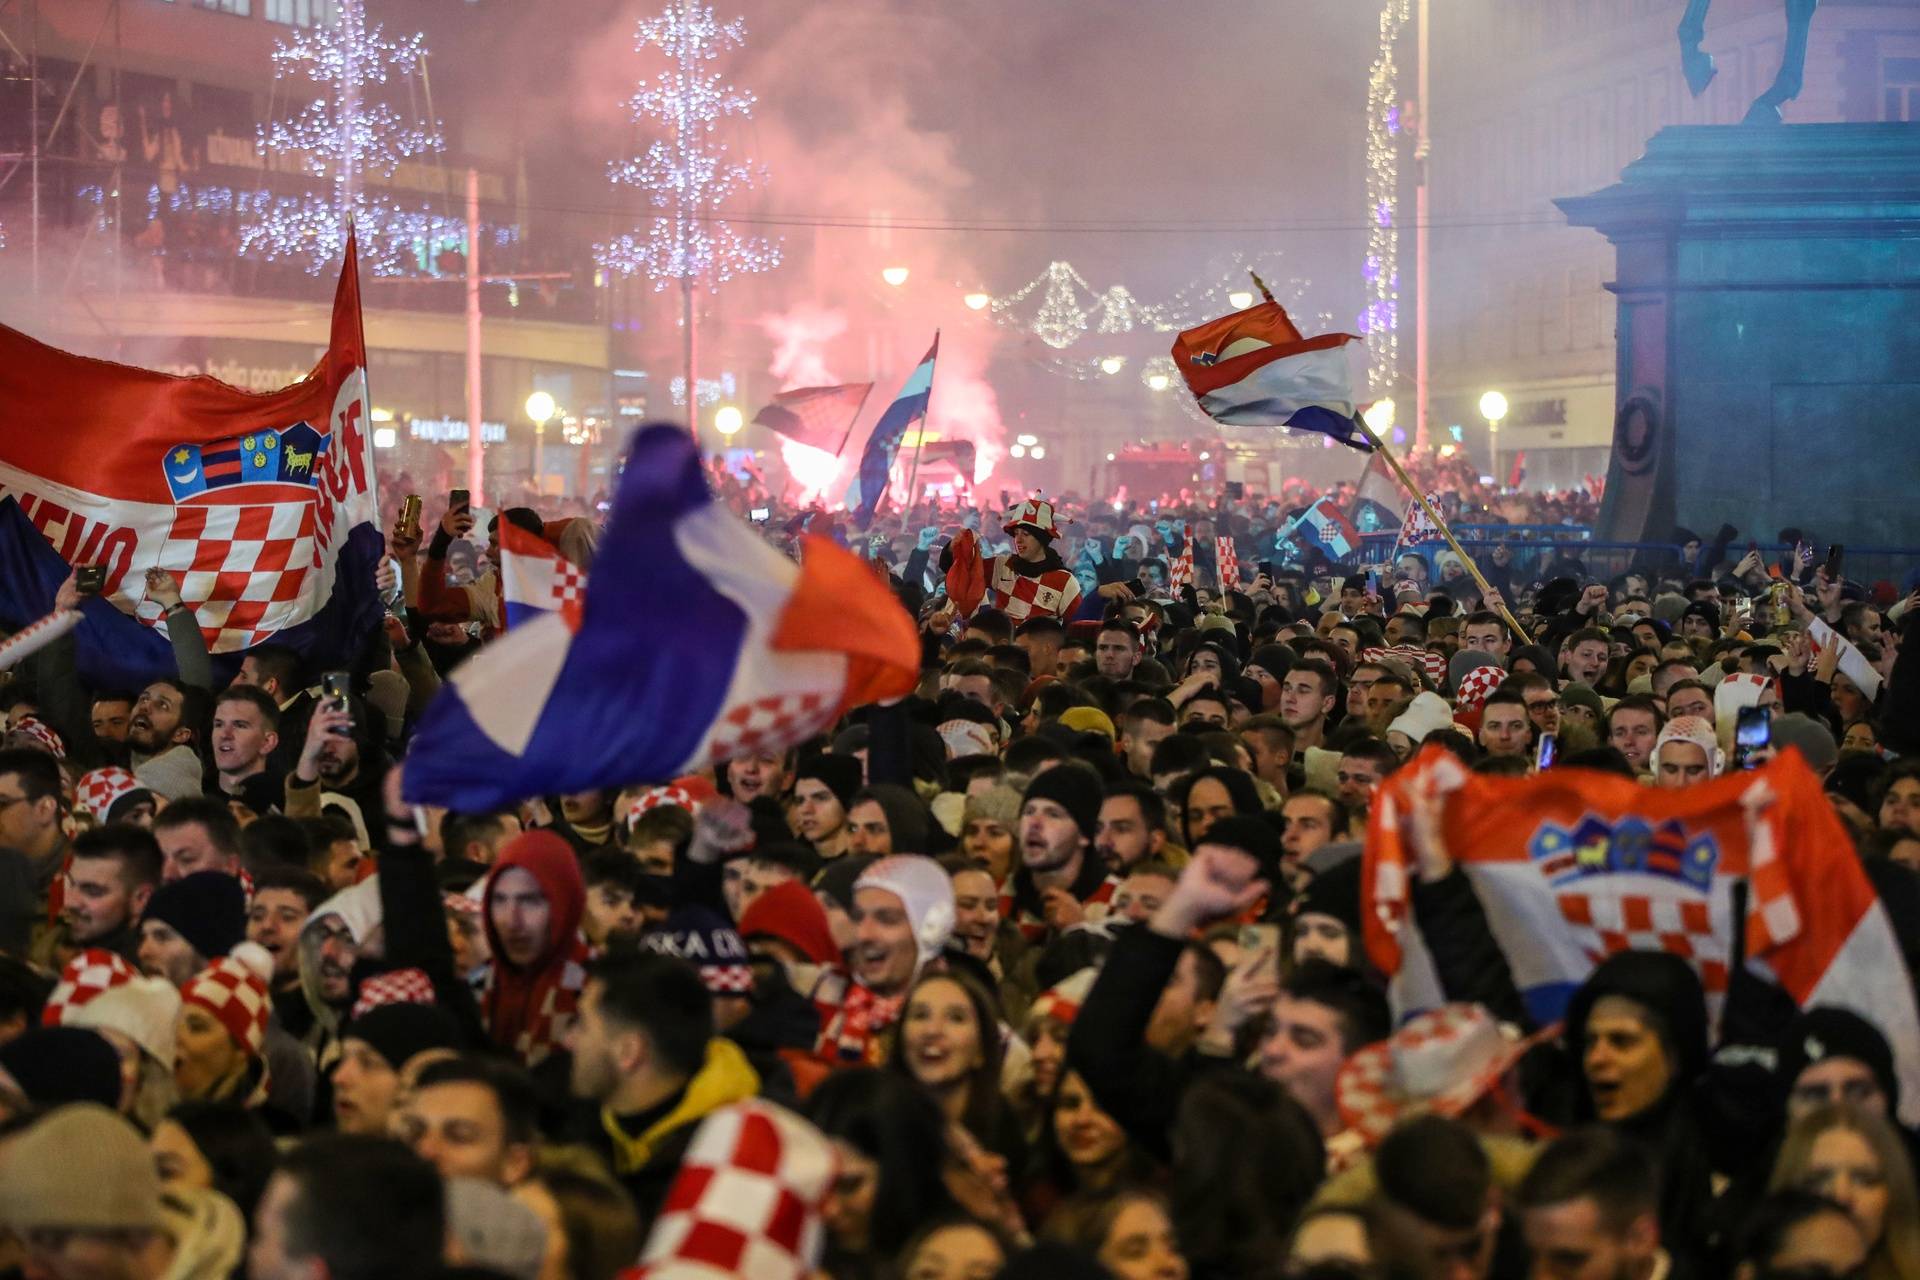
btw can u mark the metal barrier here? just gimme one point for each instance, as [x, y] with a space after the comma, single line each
[1536, 547]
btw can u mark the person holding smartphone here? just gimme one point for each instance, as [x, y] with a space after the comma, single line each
[478, 601]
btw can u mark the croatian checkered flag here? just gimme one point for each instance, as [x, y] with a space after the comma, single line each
[1181, 574]
[536, 580]
[1229, 564]
[746, 1202]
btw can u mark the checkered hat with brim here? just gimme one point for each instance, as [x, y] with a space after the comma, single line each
[1477, 686]
[97, 790]
[234, 990]
[88, 975]
[746, 1202]
[398, 986]
[1441, 1062]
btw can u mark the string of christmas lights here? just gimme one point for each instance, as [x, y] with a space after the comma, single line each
[685, 173]
[343, 135]
[1380, 322]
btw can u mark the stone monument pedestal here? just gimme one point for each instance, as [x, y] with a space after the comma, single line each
[1769, 335]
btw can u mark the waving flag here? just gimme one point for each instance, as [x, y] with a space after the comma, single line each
[820, 417]
[696, 641]
[1573, 865]
[1324, 526]
[909, 407]
[535, 579]
[1254, 369]
[1376, 499]
[262, 506]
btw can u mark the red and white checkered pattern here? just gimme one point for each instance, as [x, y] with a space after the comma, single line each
[746, 1202]
[770, 724]
[31, 731]
[1055, 593]
[1477, 686]
[243, 568]
[1441, 1061]
[400, 986]
[1229, 559]
[237, 996]
[1180, 574]
[1678, 921]
[87, 975]
[96, 791]
[1434, 664]
[1061, 1002]
[569, 589]
[1036, 512]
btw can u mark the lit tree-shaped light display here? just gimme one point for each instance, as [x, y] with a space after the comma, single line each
[687, 174]
[343, 135]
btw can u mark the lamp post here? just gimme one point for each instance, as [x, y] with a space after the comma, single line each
[728, 420]
[540, 407]
[895, 276]
[1493, 407]
[1379, 417]
[1240, 299]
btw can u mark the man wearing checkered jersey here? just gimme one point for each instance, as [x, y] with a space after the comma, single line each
[1033, 581]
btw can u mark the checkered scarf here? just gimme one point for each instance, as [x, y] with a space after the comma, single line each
[534, 1019]
[1229, 560]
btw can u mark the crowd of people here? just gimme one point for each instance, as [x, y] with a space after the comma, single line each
[1055, 968]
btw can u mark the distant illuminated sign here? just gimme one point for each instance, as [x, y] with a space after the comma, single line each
[454, 431]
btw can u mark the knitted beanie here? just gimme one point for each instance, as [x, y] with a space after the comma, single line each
[789, 912]
[1427, 713]
[924, 891]
[396, 986]
[100, 990]
[1583, 695]
[56, 1065]
[1467, 660]
[397, 1032]
[99, 789]
[1826, 1032]
[998, 803]
[82, 1168]
[1088, 719]
[207, 908]
[840, 774]
[1695, 730]
[83, 978]
[1334, 892]
[234, 990]
[1073, 787]
[907, 817]
[495, 1231]
[1253, 836]
[1477, 686]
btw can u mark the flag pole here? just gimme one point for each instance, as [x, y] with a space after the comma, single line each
[1446, 531]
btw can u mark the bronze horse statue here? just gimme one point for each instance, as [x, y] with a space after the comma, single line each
[1699, 68]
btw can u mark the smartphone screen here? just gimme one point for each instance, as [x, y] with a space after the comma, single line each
[459, 498]
[1836, 556]
[1754, 729]
[1543, 758]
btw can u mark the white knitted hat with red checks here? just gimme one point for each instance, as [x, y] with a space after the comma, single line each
[86, 976]
[97, 790]
[396, 986]
[1477, 686]
[234, 990]
[746, 1202]
[37, 733]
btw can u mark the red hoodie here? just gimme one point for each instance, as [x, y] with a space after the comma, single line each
[529, 1010]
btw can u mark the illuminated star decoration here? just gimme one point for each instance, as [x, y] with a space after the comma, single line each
[344, 135]
[686, 174]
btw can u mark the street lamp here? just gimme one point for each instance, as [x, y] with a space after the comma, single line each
[1158, 382]
[1240, 299]
[895, 276]
[728, 419]
[977, 301]
[1379, 417]
[540, 407]
[1493, 407]
[1112, 364]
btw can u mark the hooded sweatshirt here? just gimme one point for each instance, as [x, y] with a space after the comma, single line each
[529, 1009]
[358, 908]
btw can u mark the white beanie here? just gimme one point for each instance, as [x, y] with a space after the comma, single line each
[142, 1010]
[923, 889]
[1427, 713]
[1695, 730]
